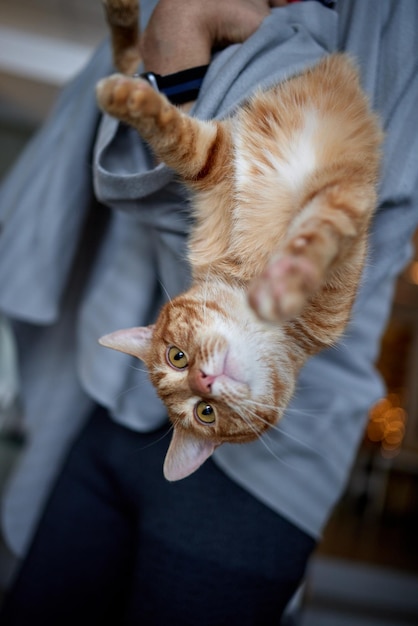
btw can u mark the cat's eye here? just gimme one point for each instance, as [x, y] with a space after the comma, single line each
[176, 358]
[205, 413]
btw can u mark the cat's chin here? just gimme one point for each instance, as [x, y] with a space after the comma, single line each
[186, 454]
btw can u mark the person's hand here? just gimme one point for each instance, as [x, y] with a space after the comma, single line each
[182, 33]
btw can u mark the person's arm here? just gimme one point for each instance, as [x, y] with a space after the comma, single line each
[183, 33]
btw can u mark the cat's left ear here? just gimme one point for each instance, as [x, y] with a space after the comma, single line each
[135, 341]
[186, 454]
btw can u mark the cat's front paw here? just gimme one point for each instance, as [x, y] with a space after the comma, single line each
[130, 99]
[282, 290]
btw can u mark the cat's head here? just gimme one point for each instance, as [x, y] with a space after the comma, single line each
[223, 375]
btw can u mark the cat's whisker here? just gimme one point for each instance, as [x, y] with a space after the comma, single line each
[149, 445]
[303, 387]
[280, 430]
[128, 390]
[248, 422]
[153, 443]
[264, 421]
[264, 405]
[284, 408]
[280, 459]
[165, 290]
[313, 412]
[138, 369]
[262, 439]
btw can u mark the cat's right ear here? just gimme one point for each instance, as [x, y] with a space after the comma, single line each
[135, 341]
[185, 454]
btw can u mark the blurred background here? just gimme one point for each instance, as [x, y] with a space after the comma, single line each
[365, 572]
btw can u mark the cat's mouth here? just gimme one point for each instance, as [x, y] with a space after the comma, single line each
[224, 380]
[233, 369]
[229, 388]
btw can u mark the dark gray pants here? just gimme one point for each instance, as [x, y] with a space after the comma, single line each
[119, 545]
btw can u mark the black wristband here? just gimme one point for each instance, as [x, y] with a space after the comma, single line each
[179, 87]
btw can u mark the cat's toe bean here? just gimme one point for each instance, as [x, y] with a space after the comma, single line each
[111, 91]
[135, 101]
[273, 302]
[261, 301]
[121, 93]
[281, 292]
[139, 98]
[103, 92]
[124, 96]
[290, 304]
[266, 297]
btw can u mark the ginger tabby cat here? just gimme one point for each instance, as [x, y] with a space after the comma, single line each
[283, 194]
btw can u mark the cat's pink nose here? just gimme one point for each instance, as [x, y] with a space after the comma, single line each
[200, 383]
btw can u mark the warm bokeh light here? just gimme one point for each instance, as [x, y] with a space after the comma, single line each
[413, 273]
[387, 420]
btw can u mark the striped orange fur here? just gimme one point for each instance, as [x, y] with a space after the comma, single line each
[284, 191]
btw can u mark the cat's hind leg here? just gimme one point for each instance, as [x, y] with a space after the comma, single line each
[192, 147]
[123, 19]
